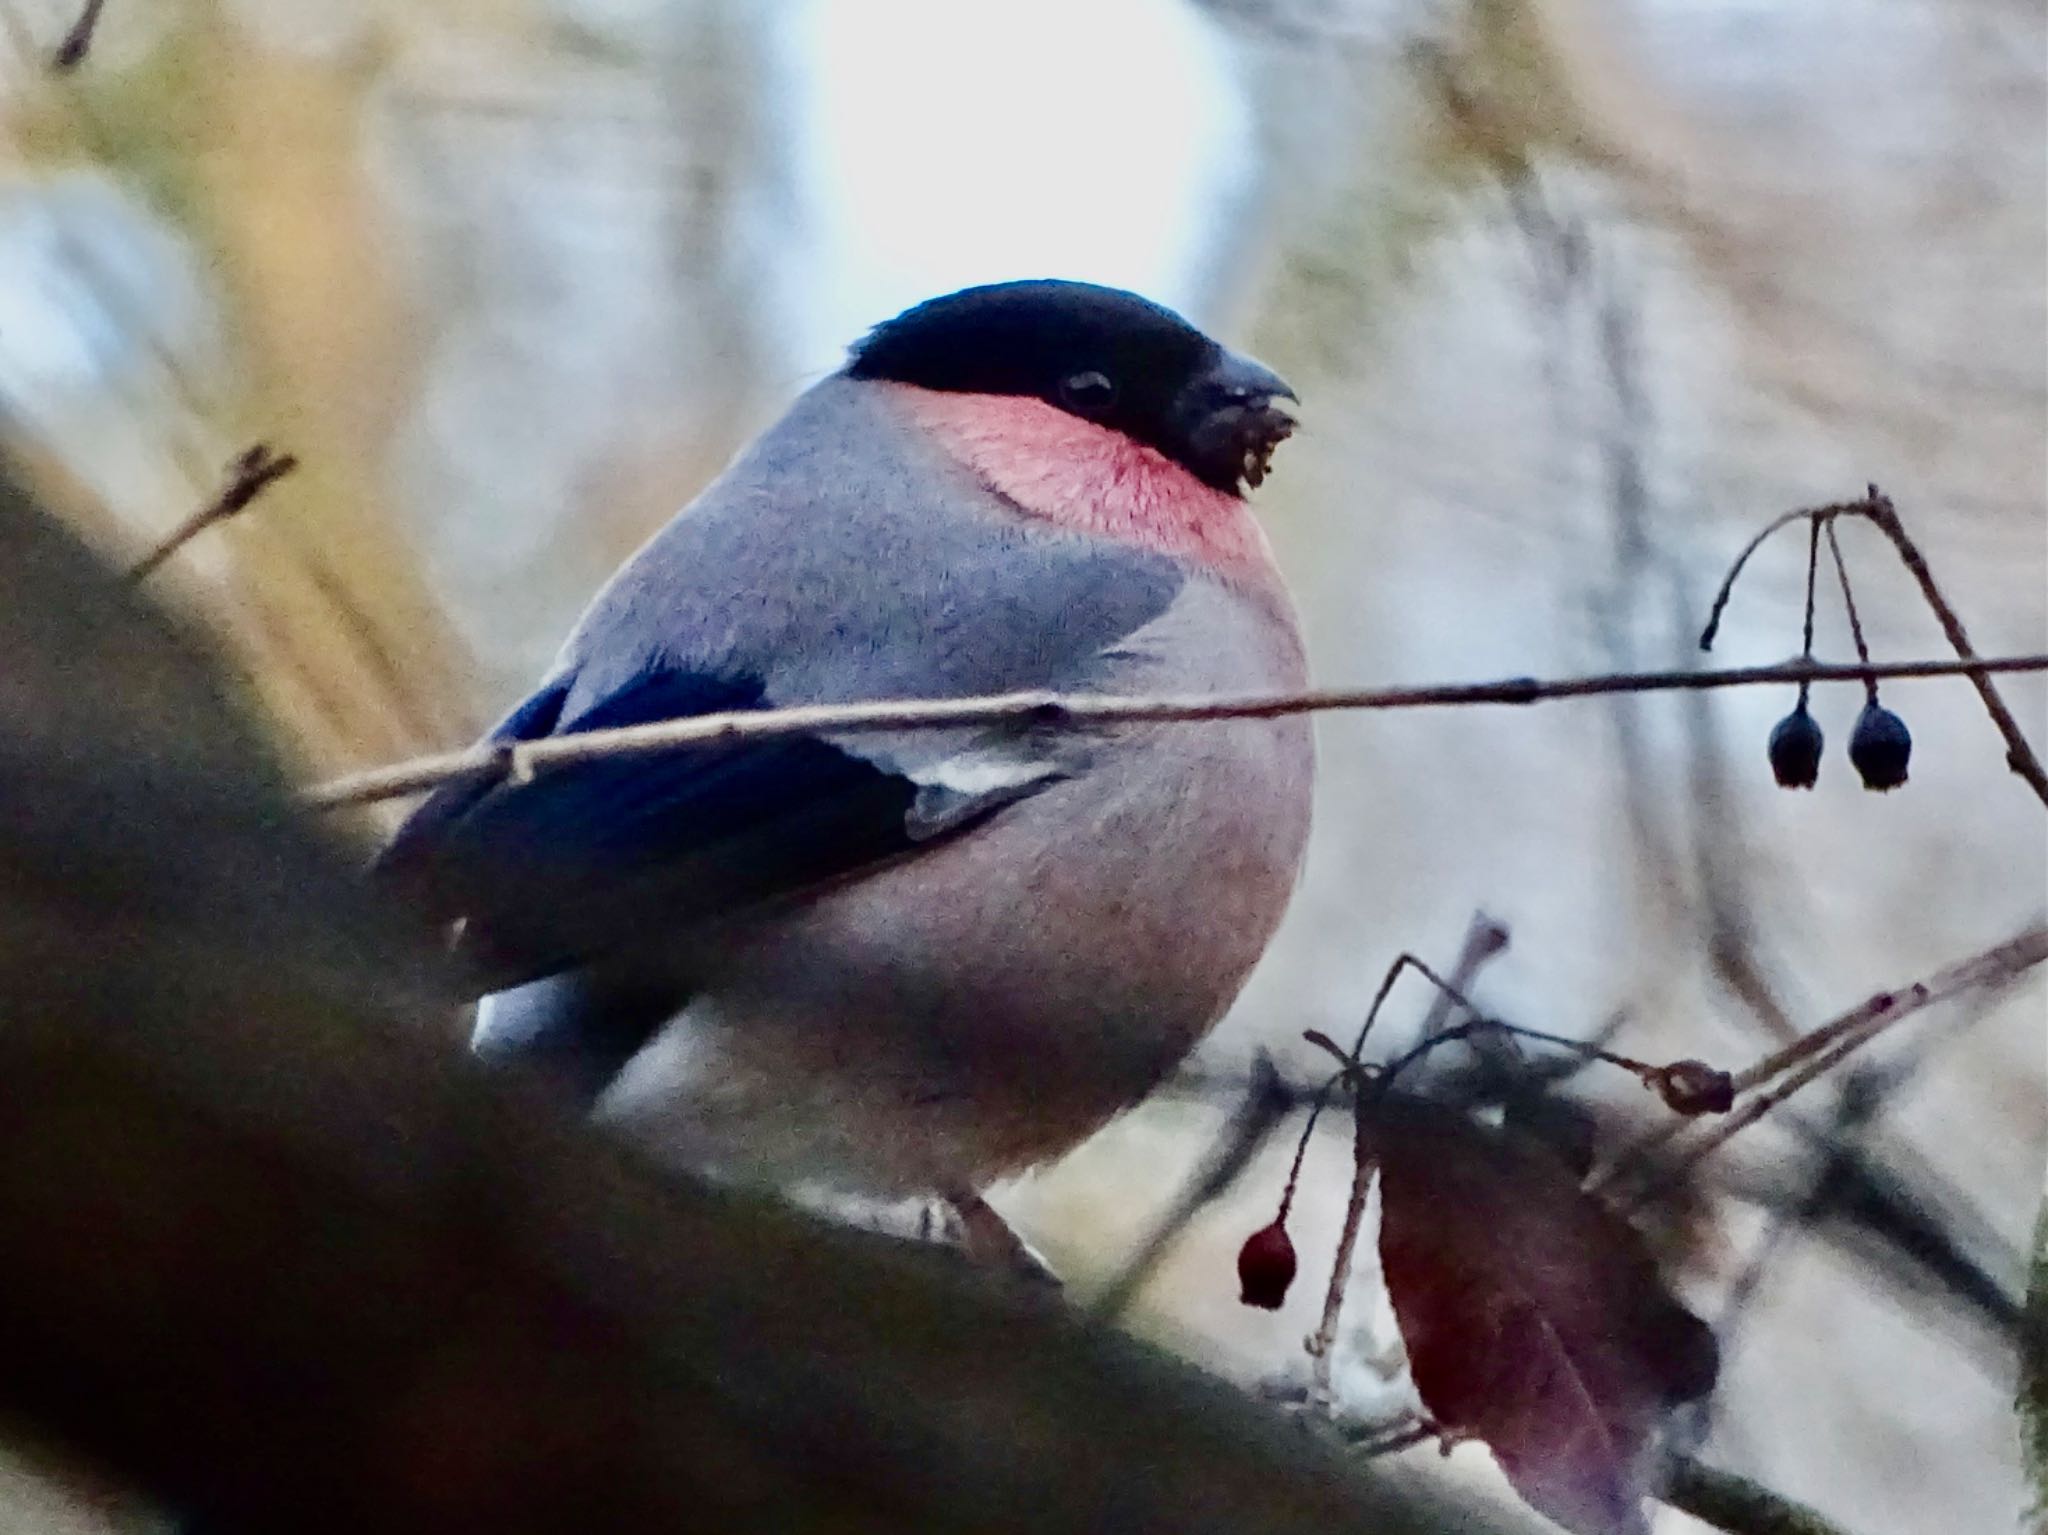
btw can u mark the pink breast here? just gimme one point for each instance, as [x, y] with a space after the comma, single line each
[1090, 478]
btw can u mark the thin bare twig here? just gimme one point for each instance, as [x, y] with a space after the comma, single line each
[1477, 1028]
[1482, 942]
[1444, 990]
[2032, 1396]
[1806, 636]
[1820, 1050]
[1878, 1009]
[1727, 589]
[252, 473]
[1813, 570]
[1267, 1101]
[491, 761]
[1323, 1345]
[1848, 602]
[1480, 945]
[1484, 939]
[2019, 756]
[1877, 509]
[71, 52]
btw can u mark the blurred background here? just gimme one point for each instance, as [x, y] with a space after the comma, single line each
[1577, 293]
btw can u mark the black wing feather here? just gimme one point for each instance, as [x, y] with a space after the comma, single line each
[592, 861]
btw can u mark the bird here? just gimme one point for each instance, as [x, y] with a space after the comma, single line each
[912, 963]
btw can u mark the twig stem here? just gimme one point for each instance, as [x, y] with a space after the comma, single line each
[1478, 1026]
[1877, 509]
[1324, 1342]
[2019, 756]
[1308, 1130]
[1323, 1345]
[1812, 570]
[252, 473]
[1407, 962]
[1820, 1051]
[71, 52]
[2032, 1396]
[1848, 604]
[493, 760]
[1740, 1506]
[1484, 938]
[1403, 1436]
[1727, 590]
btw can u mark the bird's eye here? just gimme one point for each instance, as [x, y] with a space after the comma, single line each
[1088, 393]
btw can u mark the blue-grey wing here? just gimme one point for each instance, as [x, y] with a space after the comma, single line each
[838, 568]
[597, 859]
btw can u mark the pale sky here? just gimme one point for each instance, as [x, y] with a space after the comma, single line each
[938, 143]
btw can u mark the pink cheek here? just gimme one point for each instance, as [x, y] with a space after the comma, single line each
[1088, 478]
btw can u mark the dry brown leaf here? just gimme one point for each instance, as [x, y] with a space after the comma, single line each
[1534, 1317]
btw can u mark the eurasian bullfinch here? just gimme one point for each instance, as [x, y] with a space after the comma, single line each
[915, 962]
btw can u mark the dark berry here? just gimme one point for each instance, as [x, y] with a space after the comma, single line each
[1880, 747]
[1265, 1267]
[1694, 1087]
[1795, 750]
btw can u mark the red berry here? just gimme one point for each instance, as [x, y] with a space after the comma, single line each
[1694, 1087]
[1265, 1267]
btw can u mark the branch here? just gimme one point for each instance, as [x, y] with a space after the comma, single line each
[1824, 1048]
[491, 761]
[254, 472]
[1484, 938]
[2032, 1399]
[1323, 1344]
[1740, 1506]
[71, 52]
[1812, 514]
[1877, 509]
[2019, 756]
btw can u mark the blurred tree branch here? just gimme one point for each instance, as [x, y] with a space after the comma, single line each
[253, 155]
[1740, 1506]
[252, 473]
[1813, 1054]
[71, 52]
[287, 1259]
[2033, 1389]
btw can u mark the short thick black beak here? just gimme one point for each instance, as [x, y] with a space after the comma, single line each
[1229, 420]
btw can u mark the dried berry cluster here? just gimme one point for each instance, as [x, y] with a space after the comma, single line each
[1266, 1264]
[1534, 1316]
[1880, 747]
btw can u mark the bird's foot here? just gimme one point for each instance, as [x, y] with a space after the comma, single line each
[989, 1242]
